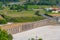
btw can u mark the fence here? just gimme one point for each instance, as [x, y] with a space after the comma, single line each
[20, 27]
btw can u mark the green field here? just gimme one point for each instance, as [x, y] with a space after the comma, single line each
[23, 16]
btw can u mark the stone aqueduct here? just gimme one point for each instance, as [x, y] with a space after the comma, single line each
[20, 27]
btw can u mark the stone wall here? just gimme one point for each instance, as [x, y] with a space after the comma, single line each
[28, 26]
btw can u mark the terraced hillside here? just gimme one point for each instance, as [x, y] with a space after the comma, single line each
[23, 16]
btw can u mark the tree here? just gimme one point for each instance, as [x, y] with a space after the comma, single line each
[26, 7]
[35, 2]
[47, 2]
[4, 35]
[28, 0]
[10, 37]
[3, 21]
[1, 4]
[37, 13]
[9, 0]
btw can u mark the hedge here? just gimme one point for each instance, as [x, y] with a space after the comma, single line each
[24, 19]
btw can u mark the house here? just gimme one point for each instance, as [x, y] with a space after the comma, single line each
[53, 10]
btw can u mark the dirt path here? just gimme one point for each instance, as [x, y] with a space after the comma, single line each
[56, 15]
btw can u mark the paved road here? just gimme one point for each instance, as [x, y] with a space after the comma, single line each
[46, 16]
[50, 32]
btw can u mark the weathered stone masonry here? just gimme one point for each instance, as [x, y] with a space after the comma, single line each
[20, 27]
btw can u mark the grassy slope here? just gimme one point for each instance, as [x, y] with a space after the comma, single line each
[24, 16]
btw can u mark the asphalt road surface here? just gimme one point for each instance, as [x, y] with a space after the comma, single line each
[50, 32]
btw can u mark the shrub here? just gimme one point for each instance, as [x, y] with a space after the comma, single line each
[1, 6]
[10, 37]
[37, 13]
[24, 19]
[4, 35]
[32, 39]
[3, 21]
